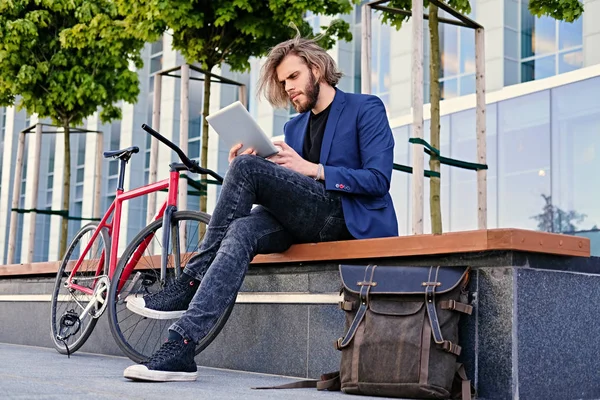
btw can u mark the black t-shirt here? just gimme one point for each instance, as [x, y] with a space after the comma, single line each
[314, 137]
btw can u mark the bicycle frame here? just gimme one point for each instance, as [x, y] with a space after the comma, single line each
[114, 227]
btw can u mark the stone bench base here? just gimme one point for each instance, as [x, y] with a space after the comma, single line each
[531, 336]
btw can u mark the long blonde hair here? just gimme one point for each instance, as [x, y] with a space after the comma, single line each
[313, 55]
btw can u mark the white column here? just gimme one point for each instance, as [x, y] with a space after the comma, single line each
[184, 119]
[31, 198]
[55, 220]
[591, 33]
[92, 173]
[213, 142]
[12, 238]
[156, 104]
[9, 155]
[490, 15]
[400, 102]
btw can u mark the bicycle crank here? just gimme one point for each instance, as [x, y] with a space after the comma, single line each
[100, 297]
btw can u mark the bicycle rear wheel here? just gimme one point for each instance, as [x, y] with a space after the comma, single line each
[74, 313]
[138, 273]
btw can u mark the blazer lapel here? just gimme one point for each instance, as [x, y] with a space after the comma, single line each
[334, 115]
[303, 126]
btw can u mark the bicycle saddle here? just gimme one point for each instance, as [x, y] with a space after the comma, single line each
[123, 154]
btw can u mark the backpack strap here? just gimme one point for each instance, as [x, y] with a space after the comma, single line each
[462, 388]
[456, 306]
[329, 381]
[365, 287]
[430, 287]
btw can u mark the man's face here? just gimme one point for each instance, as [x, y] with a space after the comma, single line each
[299, 82]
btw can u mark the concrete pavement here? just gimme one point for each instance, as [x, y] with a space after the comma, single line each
[40, 373]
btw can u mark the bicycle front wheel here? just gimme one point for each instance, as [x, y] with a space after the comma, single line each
[79, 296]
[139, 273]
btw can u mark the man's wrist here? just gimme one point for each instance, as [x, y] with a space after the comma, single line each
[319, 173]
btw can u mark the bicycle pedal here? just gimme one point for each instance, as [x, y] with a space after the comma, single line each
[69, 321]
[148, 280]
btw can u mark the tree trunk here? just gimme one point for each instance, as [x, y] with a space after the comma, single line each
[434, 162]
[64, 226]
[204, 152]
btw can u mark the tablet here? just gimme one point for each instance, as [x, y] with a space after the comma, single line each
[235, 125]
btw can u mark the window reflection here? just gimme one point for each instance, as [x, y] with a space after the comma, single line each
[570, 61]
[576, 156]
[380, 58]
[449, 88]
[400, 184]
[457, 59]
[543, 161]
[538, 35]
[463, 200]
[449, 51]
[444, 172]
[570, 34]
[523, 159]
[538, 68]
[548, 47]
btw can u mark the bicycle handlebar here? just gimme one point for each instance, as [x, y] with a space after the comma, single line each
[192, 165]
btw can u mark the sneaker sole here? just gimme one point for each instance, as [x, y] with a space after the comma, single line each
[138, 305]
[142, 373]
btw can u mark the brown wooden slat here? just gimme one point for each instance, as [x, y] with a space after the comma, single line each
[538, 242]
[403, 246]
[453, 242]
[50, 267]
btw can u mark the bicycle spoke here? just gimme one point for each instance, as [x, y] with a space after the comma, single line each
[136, 335]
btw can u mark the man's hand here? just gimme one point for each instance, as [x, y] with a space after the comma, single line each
[288, 158]
[233, 152]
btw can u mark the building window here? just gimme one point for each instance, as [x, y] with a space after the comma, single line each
[156, 65]
[457, 58]
[77, 176]
[380, 58]
[113, 165]
[548, 47]
[45, 202]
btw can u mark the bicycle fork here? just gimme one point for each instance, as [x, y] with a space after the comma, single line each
[170, 235]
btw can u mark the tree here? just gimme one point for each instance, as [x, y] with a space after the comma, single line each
[213, 32]
[553, 219]
[564, 10]
[63, 59]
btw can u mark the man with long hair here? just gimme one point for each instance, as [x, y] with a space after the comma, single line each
[330, 181]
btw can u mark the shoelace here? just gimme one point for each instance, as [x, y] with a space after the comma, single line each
[176, 287]
[167, 350]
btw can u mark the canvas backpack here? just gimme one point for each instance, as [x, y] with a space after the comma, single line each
[401, 333]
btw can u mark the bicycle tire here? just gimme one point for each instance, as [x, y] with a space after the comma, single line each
[86, 273]
[128, 327]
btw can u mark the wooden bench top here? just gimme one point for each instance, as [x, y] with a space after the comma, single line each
[401, 246]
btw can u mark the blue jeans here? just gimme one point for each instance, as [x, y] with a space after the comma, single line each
[292, 208]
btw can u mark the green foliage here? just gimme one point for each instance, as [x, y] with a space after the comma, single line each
[562, 10]
[396, 20]
[66, 58]
[212, 32]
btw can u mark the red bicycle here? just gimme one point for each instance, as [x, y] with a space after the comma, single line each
[91, 278]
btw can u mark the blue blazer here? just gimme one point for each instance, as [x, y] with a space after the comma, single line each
[357, 155]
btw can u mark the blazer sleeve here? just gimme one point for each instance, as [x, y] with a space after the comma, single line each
[376, 148]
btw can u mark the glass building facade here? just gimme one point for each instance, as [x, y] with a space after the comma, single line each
[543, 154]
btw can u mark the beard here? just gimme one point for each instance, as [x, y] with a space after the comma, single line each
[311, 91]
